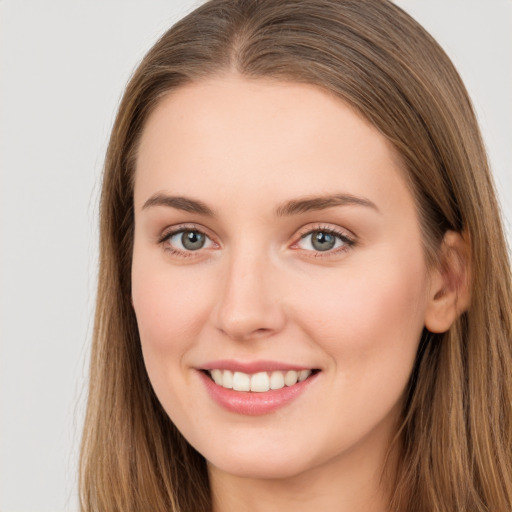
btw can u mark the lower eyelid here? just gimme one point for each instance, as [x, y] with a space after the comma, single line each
[179, 252]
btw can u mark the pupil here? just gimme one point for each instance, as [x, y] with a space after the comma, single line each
[323, 241]
[192, 240]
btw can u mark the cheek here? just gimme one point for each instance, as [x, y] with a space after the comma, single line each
[156, 312]
[170, 312]
[369, 324]
[371, 317]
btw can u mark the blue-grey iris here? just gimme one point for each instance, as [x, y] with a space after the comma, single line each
[192, 240]
[322, 241]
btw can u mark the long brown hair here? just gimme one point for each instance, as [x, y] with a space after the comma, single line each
[456, 436]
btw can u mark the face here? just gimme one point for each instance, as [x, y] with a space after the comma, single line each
[279, 280]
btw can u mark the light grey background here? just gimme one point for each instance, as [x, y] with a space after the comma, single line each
[63, 65]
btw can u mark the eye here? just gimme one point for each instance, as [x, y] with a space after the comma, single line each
[324, 240]
[187, 240]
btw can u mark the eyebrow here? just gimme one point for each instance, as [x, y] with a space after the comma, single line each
[307, 204]
[180, 203]
[292, 207]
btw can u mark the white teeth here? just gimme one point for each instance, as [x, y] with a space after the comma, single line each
[217, 376]
[276, 380]
[258, 382]
[241, 381]
[227, 379]
[304, 374]
[291, 377]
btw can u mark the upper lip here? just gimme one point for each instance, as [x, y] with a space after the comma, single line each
[252, 366]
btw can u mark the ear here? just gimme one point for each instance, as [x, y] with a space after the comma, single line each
[449, 294]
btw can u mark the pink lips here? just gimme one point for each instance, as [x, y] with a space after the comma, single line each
[251, 403]
[251, 367]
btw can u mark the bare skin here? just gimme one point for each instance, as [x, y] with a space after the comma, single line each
[273, 223]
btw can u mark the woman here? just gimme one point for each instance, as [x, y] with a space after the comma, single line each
[304, 292]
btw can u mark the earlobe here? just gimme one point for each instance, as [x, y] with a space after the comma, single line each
[449, 294]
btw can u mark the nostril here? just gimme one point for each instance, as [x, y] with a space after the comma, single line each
[246, 307]
[242, 331]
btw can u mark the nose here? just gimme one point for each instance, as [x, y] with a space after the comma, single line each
[250, 305]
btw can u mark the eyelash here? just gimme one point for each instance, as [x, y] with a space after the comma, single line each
[168, 234]
[348, 241]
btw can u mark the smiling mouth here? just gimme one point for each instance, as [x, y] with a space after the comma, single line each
[259, 382]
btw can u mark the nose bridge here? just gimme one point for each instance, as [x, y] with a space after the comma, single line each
[249, 304]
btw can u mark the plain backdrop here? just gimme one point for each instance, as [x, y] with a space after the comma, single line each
[63, 66]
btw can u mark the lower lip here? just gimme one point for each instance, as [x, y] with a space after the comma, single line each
[253, 403]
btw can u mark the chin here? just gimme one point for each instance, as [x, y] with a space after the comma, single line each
[263, 463]
[259, 468]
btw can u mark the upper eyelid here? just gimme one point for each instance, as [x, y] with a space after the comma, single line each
[336, 230]
[164, 241]
[348, 238]
[170, 231]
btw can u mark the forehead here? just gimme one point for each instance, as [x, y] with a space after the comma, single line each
[262, 137]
